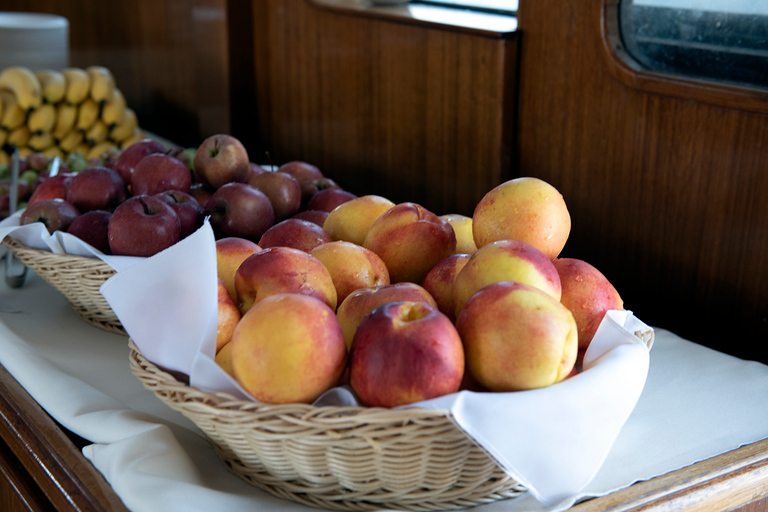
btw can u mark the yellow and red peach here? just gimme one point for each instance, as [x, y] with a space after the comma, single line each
[351, 221]
[351, 267]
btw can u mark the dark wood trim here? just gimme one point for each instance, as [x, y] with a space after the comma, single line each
[628, 71]
[55, 466]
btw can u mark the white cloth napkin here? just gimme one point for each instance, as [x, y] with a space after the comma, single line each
[552, 440]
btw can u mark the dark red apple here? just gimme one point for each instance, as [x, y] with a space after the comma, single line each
[186, 207]
[131, 156]
[302, 171]
[91, 227]
[158, 173]
[57, 214]
[283, 191]
[221, 159]
[315, 216]
[143, 226]
[238, 209]
[51, 188]
[96, 188]
[328, 199]
[295, 233]
[202, 192]
[22, 189]
[312, 187]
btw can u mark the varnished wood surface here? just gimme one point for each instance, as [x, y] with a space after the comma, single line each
[41, 467]
[169, 58]
[667, 195]
[400, 110]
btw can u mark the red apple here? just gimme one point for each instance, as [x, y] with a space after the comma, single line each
[517, 337]
[91, 227]
[202, 192]
[405, 352]
[159, 173]
[302, 171]
[588, 294]
[282, 270]
[96, 188]
[22, 189]
[283, 191]
[238, 209]
[411, 240]
[131, 156]
[314, 216]
[328, 199]
[186, 207]
[57, 214]
[221, 159]
[296, 233]
[51, 188]
[311, 187]
[143, 226]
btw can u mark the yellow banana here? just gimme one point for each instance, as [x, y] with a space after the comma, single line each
[39, 142]
[99, 149]
[4, 158]
[112, 111]
[96, 133]
[126, 127]
[42, 119]
[66, 115]
[52, 152]
[3, 137]
[102, 83]
[83, 149]
[71, 141]
[19, 136]
[53, 84]
[136, 136]
[78, 85]
[24, 152]
[87, 114]
[24, 85]
[13, 115]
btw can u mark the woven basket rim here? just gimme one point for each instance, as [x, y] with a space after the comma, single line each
[17, 247]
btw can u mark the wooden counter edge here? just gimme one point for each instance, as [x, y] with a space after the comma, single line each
[725, 482]
[50, 458]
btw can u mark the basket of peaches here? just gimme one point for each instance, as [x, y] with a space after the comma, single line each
[350, 353]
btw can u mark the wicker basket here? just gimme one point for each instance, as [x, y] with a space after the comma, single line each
[342, 458]
[78, 278]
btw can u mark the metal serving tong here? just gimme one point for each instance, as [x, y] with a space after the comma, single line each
[15, 270]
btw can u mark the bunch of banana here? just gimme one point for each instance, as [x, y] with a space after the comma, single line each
[59, 112]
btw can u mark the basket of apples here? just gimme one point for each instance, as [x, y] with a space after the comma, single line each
[381, 356]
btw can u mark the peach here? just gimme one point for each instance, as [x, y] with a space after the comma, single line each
[506, 260]
[361, 302]
[405, 352]
[411, 240]
[299, 234]
[227, 316]
[280, 270]
[224, 359]
[351, 266]
[462, 226]
[588, 294]
[288, 348]
[230, 253]
[527, 209]
[517, 337]
[439, 282]
[351, 221]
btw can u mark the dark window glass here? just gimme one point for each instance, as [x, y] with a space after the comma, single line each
[722, 40]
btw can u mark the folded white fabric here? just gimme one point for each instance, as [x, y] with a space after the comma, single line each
[552, 440]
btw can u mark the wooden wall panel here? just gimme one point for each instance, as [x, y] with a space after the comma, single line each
[667, 193]
[404, 111]
[170, 58]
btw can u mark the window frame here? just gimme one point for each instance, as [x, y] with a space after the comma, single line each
[631, 73]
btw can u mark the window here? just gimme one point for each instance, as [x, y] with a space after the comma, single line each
[493, 6]
[722, 40]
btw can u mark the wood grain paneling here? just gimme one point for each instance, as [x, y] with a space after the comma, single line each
[667, 193]
[409, 112]
[169, 58]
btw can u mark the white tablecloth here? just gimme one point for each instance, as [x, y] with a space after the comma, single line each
[697, 403]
